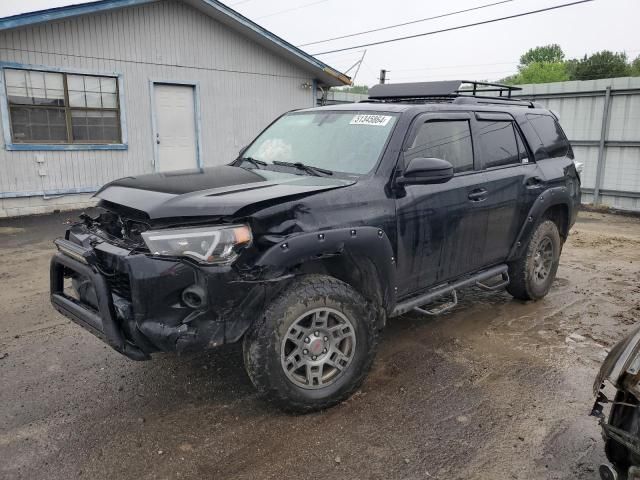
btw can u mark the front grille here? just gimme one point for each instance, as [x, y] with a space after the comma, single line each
[118, 281]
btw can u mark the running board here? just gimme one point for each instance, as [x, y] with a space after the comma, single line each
[441, 309]
[473, 280]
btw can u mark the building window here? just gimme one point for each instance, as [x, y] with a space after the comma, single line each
[62, 108]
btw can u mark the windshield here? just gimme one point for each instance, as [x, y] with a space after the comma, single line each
[349, 142]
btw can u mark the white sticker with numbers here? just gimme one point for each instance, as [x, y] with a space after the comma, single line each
[376, 120]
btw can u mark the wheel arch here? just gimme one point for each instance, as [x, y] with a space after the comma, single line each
[360, 256]
[559, 214]
[555, 204]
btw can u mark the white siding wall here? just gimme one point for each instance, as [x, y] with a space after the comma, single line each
[243, 87]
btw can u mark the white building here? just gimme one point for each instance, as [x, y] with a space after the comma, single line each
[98, 91]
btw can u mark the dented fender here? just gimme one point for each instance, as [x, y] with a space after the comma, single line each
[356, 246]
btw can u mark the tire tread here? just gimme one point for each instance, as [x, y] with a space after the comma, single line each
[520, 286]
[308, 286]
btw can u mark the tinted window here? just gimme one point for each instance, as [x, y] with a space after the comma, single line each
[498, 142]
[550, 133]
[448, 140]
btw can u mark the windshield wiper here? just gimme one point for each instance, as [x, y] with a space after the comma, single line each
[317, 171]
[253, 161]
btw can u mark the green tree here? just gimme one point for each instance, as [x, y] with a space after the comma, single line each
[604, 64]
[634, 69]
[545, 54]
[571, 65]
[540, 72]
[355, 89]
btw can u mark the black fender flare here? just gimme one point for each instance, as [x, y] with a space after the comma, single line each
[547, 199]
[371, 243]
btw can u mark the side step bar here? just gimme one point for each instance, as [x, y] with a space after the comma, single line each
[477, 280]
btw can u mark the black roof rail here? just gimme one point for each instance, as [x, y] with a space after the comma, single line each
[455, 91]
[467, 100]
[485, 87]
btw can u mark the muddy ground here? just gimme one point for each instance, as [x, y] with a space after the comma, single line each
[497, 389]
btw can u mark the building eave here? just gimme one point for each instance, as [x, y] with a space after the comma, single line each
[325, 74]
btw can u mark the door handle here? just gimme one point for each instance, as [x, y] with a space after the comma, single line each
[478, 195]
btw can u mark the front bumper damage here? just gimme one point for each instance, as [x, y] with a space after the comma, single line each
[135, 302]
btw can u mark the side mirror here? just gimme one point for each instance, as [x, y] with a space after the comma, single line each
[425, 171]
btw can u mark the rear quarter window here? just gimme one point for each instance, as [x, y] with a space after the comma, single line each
[551, 135]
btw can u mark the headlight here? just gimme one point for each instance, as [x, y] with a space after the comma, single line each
[207, 245]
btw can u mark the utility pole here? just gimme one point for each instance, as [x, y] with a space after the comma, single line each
[383, 76]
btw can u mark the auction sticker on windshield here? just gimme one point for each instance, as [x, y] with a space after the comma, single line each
[376, 120]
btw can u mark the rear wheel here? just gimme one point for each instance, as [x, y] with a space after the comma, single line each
[314, 345]
[532, 275]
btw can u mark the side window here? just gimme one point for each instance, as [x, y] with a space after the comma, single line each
[448, 139]
[550, 133]
[498, 141]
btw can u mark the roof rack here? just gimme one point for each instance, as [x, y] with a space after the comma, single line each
[455, 91]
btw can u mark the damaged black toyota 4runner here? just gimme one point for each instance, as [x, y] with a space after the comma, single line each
[331, 221]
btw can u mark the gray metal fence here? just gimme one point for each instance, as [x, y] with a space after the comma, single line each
[602, 120]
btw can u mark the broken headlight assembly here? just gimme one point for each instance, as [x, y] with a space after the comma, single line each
[212, 245]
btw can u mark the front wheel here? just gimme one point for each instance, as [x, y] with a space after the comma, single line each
[532, 275]
[314, 345]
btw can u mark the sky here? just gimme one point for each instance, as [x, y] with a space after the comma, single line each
[486, 52]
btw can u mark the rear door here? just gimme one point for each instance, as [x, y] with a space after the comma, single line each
[437, 224]
[512, 182]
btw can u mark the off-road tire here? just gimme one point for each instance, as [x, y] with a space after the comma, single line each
[263, 343]
[521, 272]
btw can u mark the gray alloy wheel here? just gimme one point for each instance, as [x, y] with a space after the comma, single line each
[543, 260]
[532, 274]
[313, 346]
[318, 348]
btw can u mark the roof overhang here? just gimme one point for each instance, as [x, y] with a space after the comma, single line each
[214, 9]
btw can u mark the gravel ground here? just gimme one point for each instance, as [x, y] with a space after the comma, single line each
[496, 389]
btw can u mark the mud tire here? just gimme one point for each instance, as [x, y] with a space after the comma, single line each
[262, 344]
[521, 272]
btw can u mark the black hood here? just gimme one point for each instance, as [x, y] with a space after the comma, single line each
[215, 191]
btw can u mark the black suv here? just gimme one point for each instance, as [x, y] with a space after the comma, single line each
[331, 221]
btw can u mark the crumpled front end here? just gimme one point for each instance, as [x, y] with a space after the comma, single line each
[104, 279]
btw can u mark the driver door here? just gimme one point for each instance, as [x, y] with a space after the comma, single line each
[440, 226]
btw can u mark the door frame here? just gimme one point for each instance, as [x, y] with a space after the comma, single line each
[197, 118]
[465, 181]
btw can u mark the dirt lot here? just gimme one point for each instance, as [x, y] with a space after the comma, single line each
[497, 389]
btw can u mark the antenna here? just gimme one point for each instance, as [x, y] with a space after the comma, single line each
[358, 64]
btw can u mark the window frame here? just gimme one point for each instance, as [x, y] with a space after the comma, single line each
[431, 117]
[7, 127]
[569, 153]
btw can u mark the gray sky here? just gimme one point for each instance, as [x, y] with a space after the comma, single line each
[483, 52]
